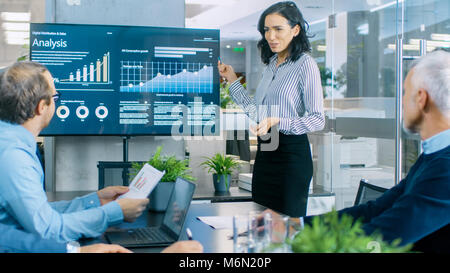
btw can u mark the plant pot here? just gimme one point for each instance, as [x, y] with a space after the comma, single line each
[159, 198]
[219, 182]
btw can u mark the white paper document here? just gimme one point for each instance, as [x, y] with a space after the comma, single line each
[144, 182]
[220, 222]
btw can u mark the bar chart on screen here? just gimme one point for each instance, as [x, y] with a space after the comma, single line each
[89, 73]
[97, 72]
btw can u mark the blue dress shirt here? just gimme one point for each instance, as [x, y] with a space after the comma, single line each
[23, 202]
[436, 142]
[19, 241]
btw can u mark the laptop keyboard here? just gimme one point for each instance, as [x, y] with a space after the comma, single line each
[149, 234]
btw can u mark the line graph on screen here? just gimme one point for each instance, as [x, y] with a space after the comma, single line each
[166, 77]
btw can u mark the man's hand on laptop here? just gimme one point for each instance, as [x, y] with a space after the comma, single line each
[184, 247]
[109, 194]
[132, 208]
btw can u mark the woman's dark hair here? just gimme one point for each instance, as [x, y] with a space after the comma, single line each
[299, 44]
[22, 86]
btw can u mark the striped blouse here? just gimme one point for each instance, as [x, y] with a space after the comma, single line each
[292, 92]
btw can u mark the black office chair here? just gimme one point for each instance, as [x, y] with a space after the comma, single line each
[367, 192]
[123, 167]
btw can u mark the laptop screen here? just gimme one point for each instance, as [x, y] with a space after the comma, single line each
[178, 205]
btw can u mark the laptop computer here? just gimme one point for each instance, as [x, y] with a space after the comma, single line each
[171, 227]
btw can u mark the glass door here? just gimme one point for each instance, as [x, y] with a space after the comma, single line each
[424, 27]
[367, 47]
[360, 99]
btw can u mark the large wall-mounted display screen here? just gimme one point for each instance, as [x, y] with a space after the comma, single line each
[130, 80]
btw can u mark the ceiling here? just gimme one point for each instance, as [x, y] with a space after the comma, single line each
[237, 19]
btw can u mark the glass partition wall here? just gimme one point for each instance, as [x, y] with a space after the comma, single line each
[363, 68]
[425, 27]
[354, 43]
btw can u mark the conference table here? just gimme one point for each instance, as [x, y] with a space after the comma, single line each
[213, 240]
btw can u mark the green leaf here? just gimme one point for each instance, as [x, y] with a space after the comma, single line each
[330, 233]
[225, 98]
[174, 167]
[220, 164]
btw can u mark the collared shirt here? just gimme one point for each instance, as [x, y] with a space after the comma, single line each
[23, 202]
[291, 91]
[436, 142]
[19, 241]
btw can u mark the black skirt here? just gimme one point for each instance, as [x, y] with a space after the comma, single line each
[281, 177]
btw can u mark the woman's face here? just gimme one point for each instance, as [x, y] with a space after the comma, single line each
[279, 33]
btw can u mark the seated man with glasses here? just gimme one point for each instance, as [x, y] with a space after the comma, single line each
[56, 96]
[27, 105]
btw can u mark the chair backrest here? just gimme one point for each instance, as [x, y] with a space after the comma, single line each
[367, 192]
[110, 171]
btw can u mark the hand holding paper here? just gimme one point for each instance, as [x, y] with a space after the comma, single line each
[132, 208]
[111, 193]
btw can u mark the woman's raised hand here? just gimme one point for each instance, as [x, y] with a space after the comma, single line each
[226, 71]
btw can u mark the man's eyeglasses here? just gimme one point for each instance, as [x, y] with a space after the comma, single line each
[56, 96]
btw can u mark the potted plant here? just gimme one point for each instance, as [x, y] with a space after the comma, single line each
[225, 99]
[333, 234]
[174, 168]
[221, 166]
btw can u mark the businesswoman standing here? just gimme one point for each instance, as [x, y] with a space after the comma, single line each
[288, 102]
